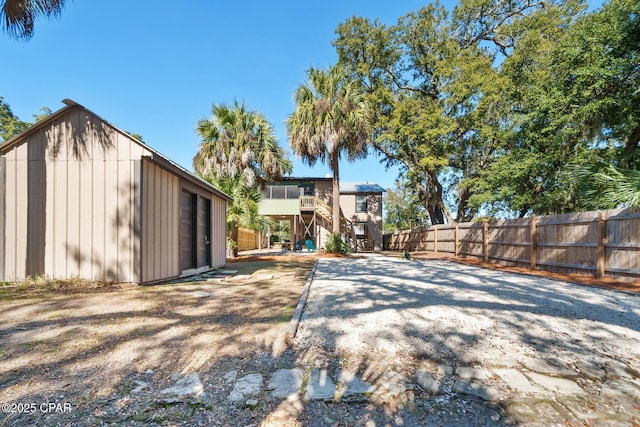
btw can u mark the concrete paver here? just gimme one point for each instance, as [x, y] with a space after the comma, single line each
[320, 386]
[286, 382]
[517, 381]
[425, 379]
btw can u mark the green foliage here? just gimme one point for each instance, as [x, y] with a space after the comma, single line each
[436, 95]
[238, 142]
[403, 209]
[238, 154]
[336, 245]
[10, 125]
[605, 186]
[483, 108]
[332, 119]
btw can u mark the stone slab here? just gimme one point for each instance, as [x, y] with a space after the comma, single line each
[425, 380]
[476, 389]
[285, 382]
[140, 386]
[199, 294]
[188, 387]
[320, 386]
[517, 381]
[354, 385]
[473, 374]
[562, 386]
[228, 271]
[393, 383]
[444, 370]
[548, 366]
[249, 385]
[535, 412]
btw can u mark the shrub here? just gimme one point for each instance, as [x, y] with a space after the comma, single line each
[336, 245]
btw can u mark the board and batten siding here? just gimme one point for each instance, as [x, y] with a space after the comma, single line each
[79, 198]
[15, 224]
[92, 208]
[160, 219]
[218, 232]
[72, 210]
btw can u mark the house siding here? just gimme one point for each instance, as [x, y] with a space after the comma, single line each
[373, 216]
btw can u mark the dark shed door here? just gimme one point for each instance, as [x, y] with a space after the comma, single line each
[188, 207]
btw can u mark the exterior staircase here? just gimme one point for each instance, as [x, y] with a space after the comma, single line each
[359, 242]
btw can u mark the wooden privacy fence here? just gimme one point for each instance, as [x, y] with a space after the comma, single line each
[247, 239]
[602, 242]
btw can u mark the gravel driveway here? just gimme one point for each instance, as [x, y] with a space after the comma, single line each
[447, 311]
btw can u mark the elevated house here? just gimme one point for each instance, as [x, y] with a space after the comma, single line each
[307, 204]
[81, 198]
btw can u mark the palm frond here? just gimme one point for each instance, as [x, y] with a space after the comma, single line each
[607, 185]
[18, 16]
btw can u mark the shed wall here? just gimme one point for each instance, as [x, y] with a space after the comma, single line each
[93, 184]
[160, 219]
[15, 225]
[71, 202]
[218, 232]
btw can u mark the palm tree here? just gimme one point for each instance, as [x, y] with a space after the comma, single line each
[332, 119]
[239, 153]
[607, 186]
[18, 16]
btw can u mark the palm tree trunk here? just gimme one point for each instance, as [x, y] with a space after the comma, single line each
[235, 234]
[336, 192]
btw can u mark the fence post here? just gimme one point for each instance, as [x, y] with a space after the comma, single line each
[456, 250]
[485, 241]
[534, 242]
[602, 237]
[435, 238]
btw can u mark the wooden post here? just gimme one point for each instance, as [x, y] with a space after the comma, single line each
[456, 246]
[534, 242]
[602, 237]
[435, 238]
[485, 241]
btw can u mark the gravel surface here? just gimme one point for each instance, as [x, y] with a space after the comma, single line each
[460, 313]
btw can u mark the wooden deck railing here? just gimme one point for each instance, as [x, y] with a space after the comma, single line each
[307, 202]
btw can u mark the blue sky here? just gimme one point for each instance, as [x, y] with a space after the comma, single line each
[156, 70]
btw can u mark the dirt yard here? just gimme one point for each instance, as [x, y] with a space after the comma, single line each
[94, 354]
[71, 353]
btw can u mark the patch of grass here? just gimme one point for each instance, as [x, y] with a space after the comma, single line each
[38, 286]
[57, 316]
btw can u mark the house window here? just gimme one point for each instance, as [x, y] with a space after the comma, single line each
[361, 203]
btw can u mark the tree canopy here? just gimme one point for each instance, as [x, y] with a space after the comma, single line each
[485, 107]
[239, 153]
[331, 120]
[10, 124]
